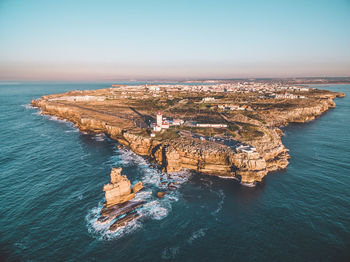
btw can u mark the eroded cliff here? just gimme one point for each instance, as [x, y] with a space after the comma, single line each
[187, 152]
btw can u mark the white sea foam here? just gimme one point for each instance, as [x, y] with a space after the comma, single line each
[28, 106]
[248, 184]
[221, 195]
[101, 230]
[56, 119]
[197, 234]
[154, 208]
[99, 137]
[72, 131]
[229, 177]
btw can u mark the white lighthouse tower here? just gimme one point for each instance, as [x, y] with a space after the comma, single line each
[159, 119]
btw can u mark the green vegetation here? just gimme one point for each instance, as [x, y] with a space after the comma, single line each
[251, 132]
[168, 134]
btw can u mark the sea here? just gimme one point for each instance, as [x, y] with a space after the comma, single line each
[52, 175]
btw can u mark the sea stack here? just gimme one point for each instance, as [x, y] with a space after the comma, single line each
[119, 190]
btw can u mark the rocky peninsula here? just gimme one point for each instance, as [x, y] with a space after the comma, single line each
[231, 130]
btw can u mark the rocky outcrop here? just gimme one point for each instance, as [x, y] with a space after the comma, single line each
[120, 202]
[161, 194]
[210, 158]
[122, 222]
[118, 190]
[137, 187]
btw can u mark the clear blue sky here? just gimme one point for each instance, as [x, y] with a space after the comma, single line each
[129, 39]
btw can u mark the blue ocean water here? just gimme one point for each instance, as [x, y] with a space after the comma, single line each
[51, 190]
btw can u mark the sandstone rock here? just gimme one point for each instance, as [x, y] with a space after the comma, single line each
[118, 191]
[137, 187]
[122, 222]
[161, 194]
[171, 186]
[109, 213]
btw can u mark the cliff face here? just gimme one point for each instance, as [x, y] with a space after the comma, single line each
[202, 156]
[298, 115]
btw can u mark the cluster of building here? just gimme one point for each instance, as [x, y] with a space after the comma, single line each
[232, 107]
[235, 87]
[246, 149]
[285, 96]
[211, 125]
[164, 123]
[84, 98]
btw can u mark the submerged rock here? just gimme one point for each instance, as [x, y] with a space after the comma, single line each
[109, 213]
[122, 222]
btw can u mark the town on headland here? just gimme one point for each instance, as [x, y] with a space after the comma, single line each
[223, 128]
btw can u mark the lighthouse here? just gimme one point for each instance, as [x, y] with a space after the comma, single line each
[159, 119]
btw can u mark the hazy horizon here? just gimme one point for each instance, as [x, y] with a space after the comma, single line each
[160, 40]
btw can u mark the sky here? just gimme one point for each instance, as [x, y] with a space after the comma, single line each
[106, 40]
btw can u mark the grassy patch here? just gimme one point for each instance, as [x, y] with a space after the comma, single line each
[251, 132]
[168, 134]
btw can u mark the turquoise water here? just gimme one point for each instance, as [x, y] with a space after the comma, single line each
[51, 190]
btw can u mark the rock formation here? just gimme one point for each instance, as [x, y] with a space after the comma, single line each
[119, 191]
[161, 194]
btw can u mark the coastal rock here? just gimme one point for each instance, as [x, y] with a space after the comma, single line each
[122, 222]
[118, 191]
[109, 213]
[137, 187]
[161, 194]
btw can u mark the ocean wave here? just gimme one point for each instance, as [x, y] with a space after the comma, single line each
[76, 130]
[248, 184]
[101, 230]
[130, 158]
[221, 195]
[170, 253]
[154, 208]
[28, 106]
[56, 119]
[196, 235]
[100, 137]
[229, 177]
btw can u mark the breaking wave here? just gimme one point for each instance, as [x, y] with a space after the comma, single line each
[101, 230]
[229, 177]
[56, 119]
[154, 181]
[221, 195]
[28, 106]
[100, 137]
[248, 184]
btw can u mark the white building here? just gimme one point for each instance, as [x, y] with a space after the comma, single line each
[159, 119]
[160, 123]
[208, 99]
[246, 149]
[212, 125]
